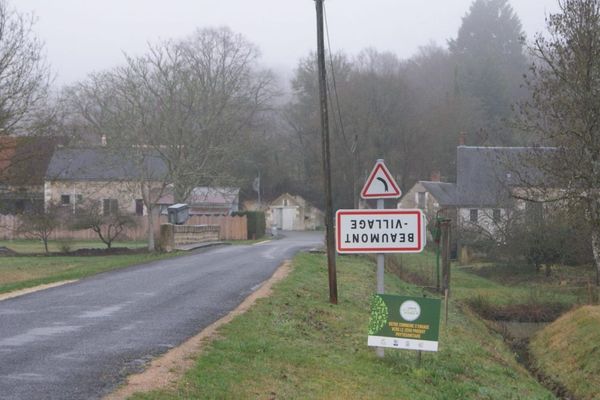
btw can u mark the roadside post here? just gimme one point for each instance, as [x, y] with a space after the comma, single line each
[445, 244]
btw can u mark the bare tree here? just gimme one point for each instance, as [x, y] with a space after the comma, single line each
[108, 226]
[40, 223]
[185, 102]
[24, 74]
[564, 112]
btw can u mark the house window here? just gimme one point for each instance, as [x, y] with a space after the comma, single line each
[421, 198]
[496, 215]
[110, 206]
[65, 199]
[139, 207]
[473, 215]
[78, 199]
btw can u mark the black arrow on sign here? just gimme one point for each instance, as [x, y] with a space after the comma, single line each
[384, 182]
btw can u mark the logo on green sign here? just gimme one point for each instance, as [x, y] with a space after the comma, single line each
[404, 322]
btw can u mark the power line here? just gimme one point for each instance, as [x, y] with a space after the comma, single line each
[333, 81]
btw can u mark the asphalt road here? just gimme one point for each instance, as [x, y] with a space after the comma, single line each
[81, 340]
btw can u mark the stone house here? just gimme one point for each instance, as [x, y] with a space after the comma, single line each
[482, 198]
[289, 212]
[77, 175]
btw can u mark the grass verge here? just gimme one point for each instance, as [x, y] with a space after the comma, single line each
[25, 272]
[486, 281]
[294, 345]
[36, 246]
[568, 352]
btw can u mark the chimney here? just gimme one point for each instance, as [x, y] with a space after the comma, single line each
[435, 176]
[103, 140]
[462, 139]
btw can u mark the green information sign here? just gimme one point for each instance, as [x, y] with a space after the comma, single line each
[402, 322]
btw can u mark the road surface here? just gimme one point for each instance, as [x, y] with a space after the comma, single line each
[81, 340]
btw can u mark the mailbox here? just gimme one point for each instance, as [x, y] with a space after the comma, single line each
[178, 213]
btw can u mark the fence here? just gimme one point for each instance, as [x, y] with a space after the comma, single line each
[231, 228]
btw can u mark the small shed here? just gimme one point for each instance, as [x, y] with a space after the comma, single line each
[293, 213]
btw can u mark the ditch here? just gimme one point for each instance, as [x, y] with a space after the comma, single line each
[518, 323]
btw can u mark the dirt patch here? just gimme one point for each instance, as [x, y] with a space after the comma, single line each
[528, 312]
[165, 371]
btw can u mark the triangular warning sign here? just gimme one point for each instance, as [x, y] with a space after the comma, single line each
[380, 184]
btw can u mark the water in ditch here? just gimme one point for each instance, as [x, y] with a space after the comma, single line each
[517, 335]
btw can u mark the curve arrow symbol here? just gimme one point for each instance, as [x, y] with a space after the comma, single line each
[385, 184]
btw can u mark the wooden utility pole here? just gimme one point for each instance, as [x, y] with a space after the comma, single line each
[329, 233]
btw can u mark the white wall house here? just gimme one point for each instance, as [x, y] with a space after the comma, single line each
[293, 213]
[482, 197]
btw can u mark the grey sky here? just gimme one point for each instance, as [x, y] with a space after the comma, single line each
[83, 36]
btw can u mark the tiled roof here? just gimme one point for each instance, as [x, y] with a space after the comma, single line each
[485, 174]
[444, 193]
[207, 196]
[102, 164]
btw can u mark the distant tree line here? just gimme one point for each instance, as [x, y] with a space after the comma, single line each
[207, 108]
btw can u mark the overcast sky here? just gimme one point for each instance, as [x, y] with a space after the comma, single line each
[83, 36]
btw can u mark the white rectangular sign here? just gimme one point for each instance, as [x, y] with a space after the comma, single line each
[380, 231]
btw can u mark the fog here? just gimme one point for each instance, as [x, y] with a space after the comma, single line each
[85, 36]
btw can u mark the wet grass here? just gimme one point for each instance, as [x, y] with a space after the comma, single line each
[564, 354]
[503, 285]
[295, 345]
[568, 352]
[27, 271]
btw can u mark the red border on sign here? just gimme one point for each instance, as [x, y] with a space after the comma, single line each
[416, 249]
[396, 189]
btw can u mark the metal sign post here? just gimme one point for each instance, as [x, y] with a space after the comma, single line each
[380, 185]
[380, 276]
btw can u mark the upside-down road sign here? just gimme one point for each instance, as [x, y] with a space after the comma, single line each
[380, 231]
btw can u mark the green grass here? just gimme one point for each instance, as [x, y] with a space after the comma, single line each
[568, 351]
[489, 281]
[36, 246]
[28, 271]
[295, 345]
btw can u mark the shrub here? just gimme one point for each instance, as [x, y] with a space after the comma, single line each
[65, 245]
[256, 223]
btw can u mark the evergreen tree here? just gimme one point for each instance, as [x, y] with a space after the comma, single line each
[490, 63]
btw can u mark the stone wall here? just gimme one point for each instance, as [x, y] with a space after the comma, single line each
[173, 236]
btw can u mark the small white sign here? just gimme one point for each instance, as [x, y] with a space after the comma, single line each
[410, 310]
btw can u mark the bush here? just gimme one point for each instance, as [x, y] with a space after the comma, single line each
[109, 227]
[65, 245]
[256, 223]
